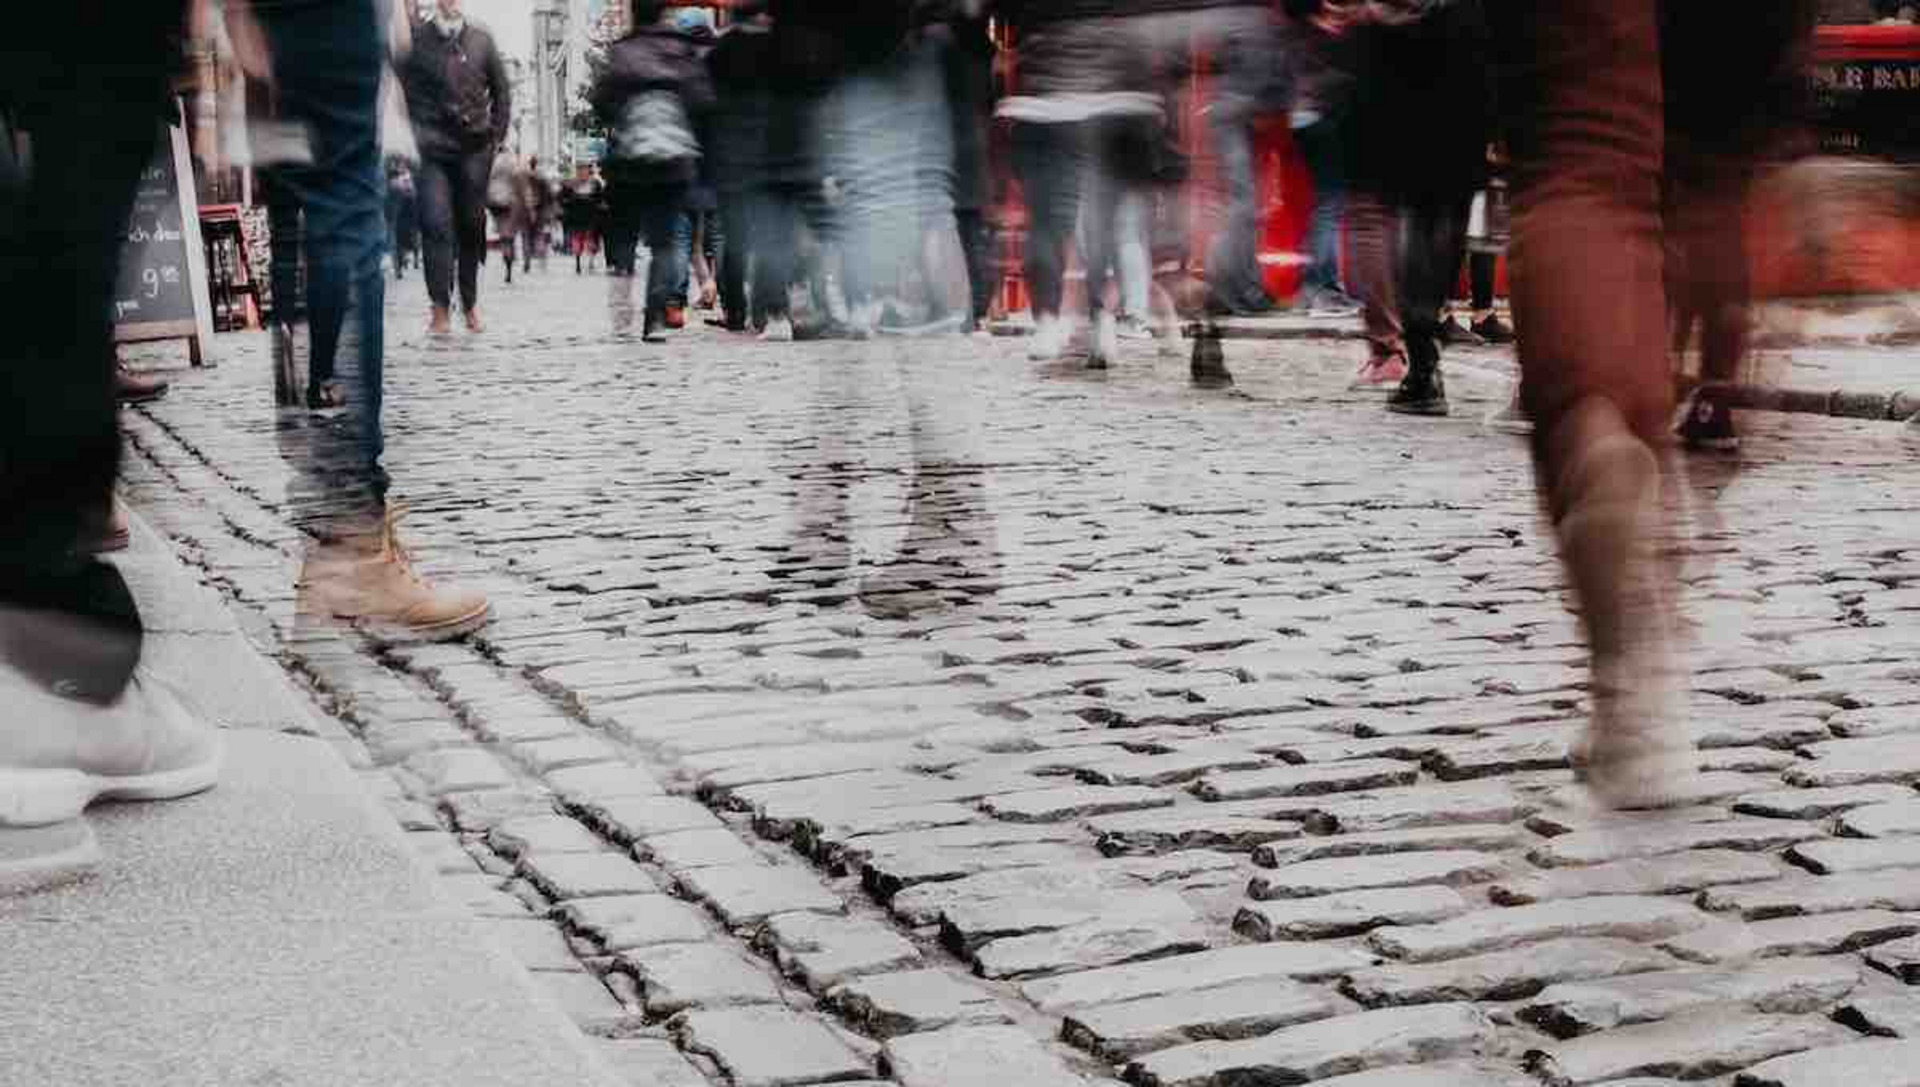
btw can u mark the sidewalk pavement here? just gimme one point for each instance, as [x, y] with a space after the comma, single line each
[918, 712]
[276, 930]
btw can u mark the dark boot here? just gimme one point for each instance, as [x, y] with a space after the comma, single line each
[1209, 367]
[1422, 391]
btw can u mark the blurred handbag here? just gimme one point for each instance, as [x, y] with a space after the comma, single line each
[396, 131]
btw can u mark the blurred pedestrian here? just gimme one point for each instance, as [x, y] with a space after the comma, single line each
[508, 201]
[325, 63]
[461, 104]
[1319, 83]
[403, 217]
[581, 199]
[1421, 120]
[542, 209]
[742, 65]
[1601, 94]
[83, 719]
[654, 95]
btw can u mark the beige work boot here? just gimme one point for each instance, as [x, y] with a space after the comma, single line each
[1638, 751]
[367, 580]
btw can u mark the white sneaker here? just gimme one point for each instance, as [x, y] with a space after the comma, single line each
[58, 755]
[1106, 343]
[1050, 334]
[778, 330]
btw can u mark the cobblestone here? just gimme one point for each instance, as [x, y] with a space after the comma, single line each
[875, 606]
[769, 1047]
[1350, 1043]
[1688, 1047]
[1581, 1007]
[889, 1005]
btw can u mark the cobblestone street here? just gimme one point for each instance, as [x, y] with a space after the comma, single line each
[911, 711]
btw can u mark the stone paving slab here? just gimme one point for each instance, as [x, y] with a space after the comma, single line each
[1005, 653]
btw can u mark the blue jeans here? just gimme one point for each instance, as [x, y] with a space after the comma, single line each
[327, 57]
[1233, 266]
[650, 213]
[1320, 145]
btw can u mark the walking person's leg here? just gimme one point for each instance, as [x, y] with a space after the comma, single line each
[1320, 145]
[434, 196]
[328, 61]
[662, 215]
[289, 307]
[79, 720]
[732, 220]
[1100, 227]
[1435, 245]
[1373, 229]
[470, 230]
[1583, 83]
[1048, 161]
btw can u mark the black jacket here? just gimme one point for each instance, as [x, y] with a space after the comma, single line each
[655, 67]
[457, 91]
[1422, 105]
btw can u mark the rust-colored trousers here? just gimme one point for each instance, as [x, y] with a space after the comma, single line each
[1632, 123]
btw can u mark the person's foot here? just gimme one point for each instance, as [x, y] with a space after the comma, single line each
[1331, 302]
[1105, 347]
[59, 754]
[1423, 392]
[1709, 425]
[1454, 334]
[326, 396]
[441, 322]
[366, 579]
[132, 388]
[1638, 749]
[1128, 327]
[1381, 373]
[1493, 330]
[778, 330]
[474, 323]
[650, 322]
[106, 532]
[1208, 368]
[674, 316]
[1050, 335]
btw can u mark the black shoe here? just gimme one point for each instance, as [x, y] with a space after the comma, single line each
[1454, 334]
[1209, 367]
[1709, 425]
[1493, 330]
[1423, 392]
[132, 388]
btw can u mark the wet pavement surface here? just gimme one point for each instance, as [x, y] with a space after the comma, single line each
[914, 711]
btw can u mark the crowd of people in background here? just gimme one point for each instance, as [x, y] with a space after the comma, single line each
[844, 160]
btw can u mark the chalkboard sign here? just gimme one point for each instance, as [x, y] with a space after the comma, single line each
[162, 290]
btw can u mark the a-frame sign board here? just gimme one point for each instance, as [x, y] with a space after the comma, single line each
[162, 290]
